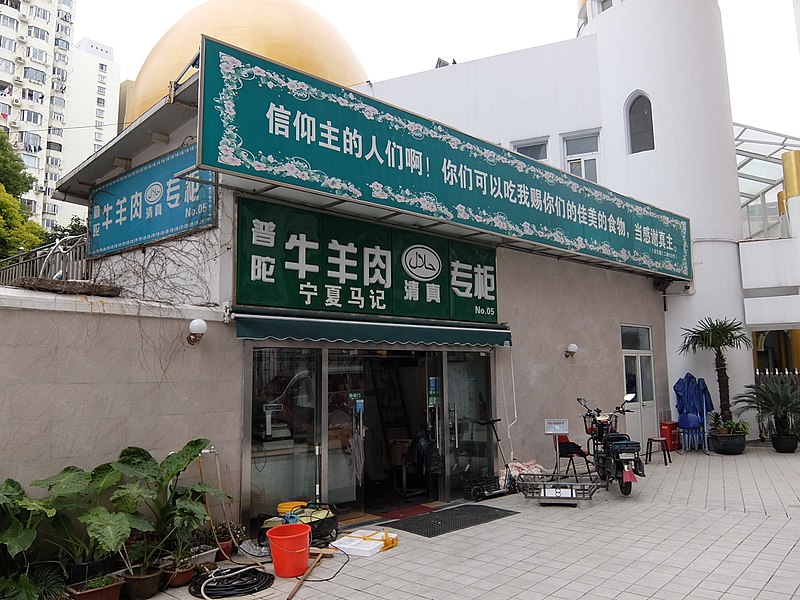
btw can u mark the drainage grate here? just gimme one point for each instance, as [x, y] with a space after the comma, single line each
[450, 519]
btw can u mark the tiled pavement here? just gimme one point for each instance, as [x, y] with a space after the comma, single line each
[706, 527]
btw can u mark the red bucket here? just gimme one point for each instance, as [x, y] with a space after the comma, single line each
[288, 545]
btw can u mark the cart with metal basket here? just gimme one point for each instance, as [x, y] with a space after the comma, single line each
[558, 488]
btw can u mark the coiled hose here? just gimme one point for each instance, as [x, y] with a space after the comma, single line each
[226, 583]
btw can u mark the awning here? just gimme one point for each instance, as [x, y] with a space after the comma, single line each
[262, 327]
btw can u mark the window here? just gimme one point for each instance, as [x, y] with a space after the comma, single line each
[57, 131]
[97, 147]
[102, 78]
[40, 13]
[54, 146]
[35, 75]
[605, 5]
[5, 108]
[31, 161]
[6, 65]
[57, 101]
[32, 142]
[102, 67]
[535, 150]
[99, 124]
[57, 117]
[62, 57]
[31, 116]
[50, 223]
[54, 161]
[6, 21]
[37, 55]
[65, 29]
[59, 73]
[101, 102]
[98, 136]
[38, 33]
[640, 125]
[52, 176]
[582, 154]
[31, 204]
[101, 90]
[12, 3]
[7, 43]
[51, 208]
[61, 43]
[99, 112]
[33, 96]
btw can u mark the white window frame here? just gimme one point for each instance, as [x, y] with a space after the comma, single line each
[545, 140]
[568, 159]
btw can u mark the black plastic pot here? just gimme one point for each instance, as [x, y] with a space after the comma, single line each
[730, 443]
[80, 572]
[785, 444]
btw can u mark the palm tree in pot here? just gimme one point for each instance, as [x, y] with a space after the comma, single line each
[778, 408]
[717, 335]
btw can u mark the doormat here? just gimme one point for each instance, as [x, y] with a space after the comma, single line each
[444, 521]
[407, 511]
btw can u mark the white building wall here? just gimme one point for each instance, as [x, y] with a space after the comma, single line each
[93, 71]
[673, 51]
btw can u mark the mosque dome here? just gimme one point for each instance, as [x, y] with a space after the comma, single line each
[286, 31]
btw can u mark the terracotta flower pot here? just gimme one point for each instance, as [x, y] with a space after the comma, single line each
[141, 587]
[177, 577]
[226, 546]
[108, 592]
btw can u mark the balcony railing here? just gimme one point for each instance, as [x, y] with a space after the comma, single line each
[792, 377]
[62, 260]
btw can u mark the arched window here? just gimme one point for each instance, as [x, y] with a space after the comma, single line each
[640, 125]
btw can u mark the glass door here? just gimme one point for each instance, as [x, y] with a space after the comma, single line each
[470, 441]
[285, 429]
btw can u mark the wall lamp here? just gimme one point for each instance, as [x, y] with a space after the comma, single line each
[197, 327]
[570, 351]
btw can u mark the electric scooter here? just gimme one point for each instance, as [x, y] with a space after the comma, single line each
[485, 487]
[615, 455]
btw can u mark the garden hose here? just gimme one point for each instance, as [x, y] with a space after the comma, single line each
[227, 583]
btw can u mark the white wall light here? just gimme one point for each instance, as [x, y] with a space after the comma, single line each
[197, 328]
[570, 351]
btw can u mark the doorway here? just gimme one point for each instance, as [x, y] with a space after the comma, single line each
[369, 430]
[639, 380]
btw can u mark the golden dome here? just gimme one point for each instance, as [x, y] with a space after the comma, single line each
[286, 31]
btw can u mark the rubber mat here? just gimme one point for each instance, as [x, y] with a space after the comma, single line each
[444, 521]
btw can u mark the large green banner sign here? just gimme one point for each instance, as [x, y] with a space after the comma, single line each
[292, 258]
[267, 121]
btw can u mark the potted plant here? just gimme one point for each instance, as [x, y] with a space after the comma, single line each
[75, 494]
[732, 442]
[717, 335]
[777, 406]
[178, 570]
[102, 587]
[225, 536]
[169, 511]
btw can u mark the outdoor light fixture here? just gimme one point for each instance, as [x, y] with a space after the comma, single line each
[570, 351]
[196, 330]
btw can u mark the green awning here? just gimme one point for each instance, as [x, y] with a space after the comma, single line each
[262, 327]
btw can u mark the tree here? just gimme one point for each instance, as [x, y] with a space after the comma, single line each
[13, 175]
[717, 335]
[16, 231]
[77, 226]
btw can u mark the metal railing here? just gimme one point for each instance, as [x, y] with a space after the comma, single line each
[63, 260]
[778, 376]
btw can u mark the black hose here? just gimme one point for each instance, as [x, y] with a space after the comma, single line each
[226, 583]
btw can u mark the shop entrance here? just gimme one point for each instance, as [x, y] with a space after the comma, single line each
[371, 431]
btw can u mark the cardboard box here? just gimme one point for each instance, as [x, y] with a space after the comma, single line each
[364, 542]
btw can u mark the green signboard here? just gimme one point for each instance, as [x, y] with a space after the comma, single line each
[292, 258]
[266, 121]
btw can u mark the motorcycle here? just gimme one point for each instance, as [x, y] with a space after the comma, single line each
[615, 455]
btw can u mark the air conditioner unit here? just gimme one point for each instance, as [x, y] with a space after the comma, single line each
[40, 188]
[18, 79]
[16, 102]
[23, 17]
[19, 58]
[13, 123]
[28, 1]
[22, 39]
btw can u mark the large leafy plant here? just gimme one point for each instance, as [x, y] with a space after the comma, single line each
[777, 406]
[163, 512]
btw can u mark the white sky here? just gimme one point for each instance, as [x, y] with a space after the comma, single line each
[394, 39]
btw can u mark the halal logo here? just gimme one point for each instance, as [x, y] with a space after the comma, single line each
[153, 193]
[421, 263]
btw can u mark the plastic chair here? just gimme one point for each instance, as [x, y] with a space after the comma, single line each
[691, 429]
[568, 449]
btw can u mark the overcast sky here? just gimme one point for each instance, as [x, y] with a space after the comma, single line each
[394, 39]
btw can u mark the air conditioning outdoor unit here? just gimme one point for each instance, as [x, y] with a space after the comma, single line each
[16, 102]
[18, 79]
[13, 124]
[40, 188]
[23, 17]
[22, 39]
[19, 58]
